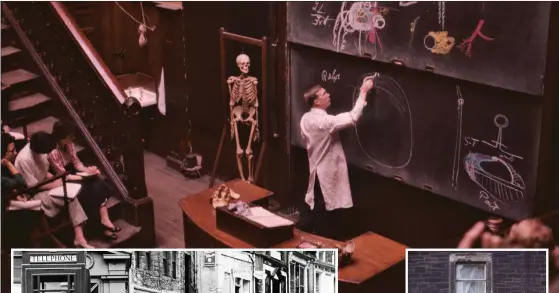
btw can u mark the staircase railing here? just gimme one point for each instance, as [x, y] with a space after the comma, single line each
[86, 88]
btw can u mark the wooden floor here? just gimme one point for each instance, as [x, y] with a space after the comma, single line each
[166, 186]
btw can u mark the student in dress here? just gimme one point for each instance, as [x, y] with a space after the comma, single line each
[33, 165]
[95, 192]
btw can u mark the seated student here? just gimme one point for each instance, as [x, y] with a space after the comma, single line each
[33, 164]
[95, 192]
[19, 138]
[11, 179]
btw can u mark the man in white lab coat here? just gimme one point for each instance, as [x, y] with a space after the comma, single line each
[328, 194]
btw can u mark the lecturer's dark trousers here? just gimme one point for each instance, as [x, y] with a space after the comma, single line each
[335, 224]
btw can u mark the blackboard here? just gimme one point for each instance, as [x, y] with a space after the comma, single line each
[509, 52]
[482, 151]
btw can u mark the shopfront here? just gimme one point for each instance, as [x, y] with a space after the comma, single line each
[64, 272]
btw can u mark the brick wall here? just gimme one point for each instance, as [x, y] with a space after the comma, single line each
[513, 272]
[154, 278]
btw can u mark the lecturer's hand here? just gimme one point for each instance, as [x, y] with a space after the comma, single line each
[478, 233]
[368, 84]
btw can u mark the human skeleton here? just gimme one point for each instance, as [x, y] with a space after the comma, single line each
[243, 106]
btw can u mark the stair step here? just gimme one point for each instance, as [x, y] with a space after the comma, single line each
[9, 50]
[44, 124]
[112, 201]
[127, 232]
[27, 102]
[13, 77]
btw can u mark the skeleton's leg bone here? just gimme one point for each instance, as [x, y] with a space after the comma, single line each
[249, 152]
[239, 152]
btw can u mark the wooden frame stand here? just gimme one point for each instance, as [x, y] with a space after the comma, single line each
[263, 44]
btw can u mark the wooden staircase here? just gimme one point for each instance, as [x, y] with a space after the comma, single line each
[30, 103]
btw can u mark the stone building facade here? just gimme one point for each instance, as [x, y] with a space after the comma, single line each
[227, 271]
[161, 271]
[484, 272]
[312, 272]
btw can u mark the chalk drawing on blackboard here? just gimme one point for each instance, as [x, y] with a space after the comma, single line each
[466, 45]
[491, 203]
[501, 122]
[413, 24]
[320, 18]
[407, 3]
[442, 43]
[364, 18]
[500, 188]
[458, 144]
[506, 186]
[441, 5]
[392, 95]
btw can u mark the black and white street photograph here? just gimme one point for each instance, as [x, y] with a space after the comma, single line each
[174, 271]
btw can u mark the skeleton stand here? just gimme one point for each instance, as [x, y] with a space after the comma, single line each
[225, 93]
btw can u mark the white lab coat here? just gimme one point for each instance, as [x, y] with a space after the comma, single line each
[326, 155]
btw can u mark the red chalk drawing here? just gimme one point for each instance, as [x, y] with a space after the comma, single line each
[467, 43]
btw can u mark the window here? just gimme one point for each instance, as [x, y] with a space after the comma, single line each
[471, 272]
[471, 278]
[137, 256]
[321, 255]
[165, 263]
[148, 260]
[257, 285]
[276, 254]
[297, 278]
[317, 283]
[330, 257]
[226, 283]
[174, 264]
[54, 283]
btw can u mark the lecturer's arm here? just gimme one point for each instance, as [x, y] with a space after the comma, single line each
[338, 122]
[333, 123]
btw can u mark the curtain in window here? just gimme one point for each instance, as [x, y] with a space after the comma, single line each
[470, 278]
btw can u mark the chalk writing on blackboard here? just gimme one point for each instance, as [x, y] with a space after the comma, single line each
[491, 203]
[504, 187]
[332, 76]
[458, 143]
[320, 18]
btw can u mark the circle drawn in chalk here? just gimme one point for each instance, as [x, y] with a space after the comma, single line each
[379, 21]
[504, 123]
[360, 16]
[425, 42]
[388, 113]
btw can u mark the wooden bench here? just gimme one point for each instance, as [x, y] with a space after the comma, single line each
[373, 256]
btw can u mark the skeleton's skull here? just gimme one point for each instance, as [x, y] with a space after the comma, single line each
[244, 63]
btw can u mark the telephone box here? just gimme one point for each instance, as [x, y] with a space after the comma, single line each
[64, 272]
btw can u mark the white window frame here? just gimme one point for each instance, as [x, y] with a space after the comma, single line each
[457, 259]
